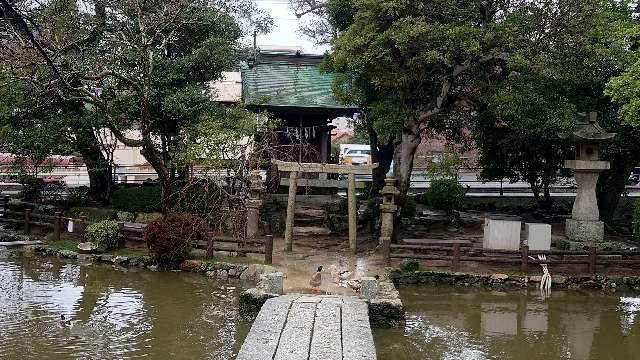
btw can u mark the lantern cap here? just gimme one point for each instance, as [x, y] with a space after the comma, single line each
[588, 130]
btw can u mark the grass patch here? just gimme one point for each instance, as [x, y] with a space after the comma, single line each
[233, 260]
[129, 253]
[64, 245]
[72, 245]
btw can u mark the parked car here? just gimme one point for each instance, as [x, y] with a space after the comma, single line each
[53, 180]
[355, 154]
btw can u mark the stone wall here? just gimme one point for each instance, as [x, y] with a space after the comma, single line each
[505, 281]
[219, 270]
[386, 308]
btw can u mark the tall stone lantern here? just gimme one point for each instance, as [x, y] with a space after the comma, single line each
[585, 224]
[388, 208]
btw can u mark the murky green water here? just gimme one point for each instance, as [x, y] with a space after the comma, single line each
[130, 314]
[116, 314]
[444, 323]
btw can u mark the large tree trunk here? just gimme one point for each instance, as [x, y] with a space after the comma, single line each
[154, 157]
[403, 156]
[98, 167]
[381, 153]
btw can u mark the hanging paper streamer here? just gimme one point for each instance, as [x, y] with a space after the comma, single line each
[305, 132]
[70, 226]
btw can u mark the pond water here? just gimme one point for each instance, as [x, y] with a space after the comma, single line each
[448, 323]
[131, 314]
[115, 314]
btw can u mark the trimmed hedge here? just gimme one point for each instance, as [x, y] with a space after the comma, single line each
[141, 199]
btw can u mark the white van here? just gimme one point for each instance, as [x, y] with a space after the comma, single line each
[355, 154]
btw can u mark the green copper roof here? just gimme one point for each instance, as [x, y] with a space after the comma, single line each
[284, 84]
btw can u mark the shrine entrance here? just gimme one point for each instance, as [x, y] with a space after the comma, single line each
[296, 169]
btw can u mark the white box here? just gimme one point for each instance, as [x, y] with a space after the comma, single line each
[502, 232]
[538, 236]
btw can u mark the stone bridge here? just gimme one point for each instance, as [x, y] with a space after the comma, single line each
[303, 327]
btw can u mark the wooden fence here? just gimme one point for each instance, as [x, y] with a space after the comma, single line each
[455, 254]
[133, 232]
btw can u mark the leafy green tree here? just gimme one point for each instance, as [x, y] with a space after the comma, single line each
[522, 136]
[408, 63]
[141, 65]
[326, 18]
[415, 67]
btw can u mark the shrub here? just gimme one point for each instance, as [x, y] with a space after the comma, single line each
[635, 222]
[141, 199]
[32, 188]
[104, 234]
[93, 214]
[169, 237]
[408, 209]
[445, 194]
[409, 265]
[77, 196]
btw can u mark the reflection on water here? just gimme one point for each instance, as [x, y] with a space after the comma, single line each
[114, 313]
[119, 314]
[448, 323]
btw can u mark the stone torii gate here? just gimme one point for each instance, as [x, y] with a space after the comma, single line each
[295, 168]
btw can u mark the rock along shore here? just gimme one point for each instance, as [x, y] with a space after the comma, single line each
[510, 281]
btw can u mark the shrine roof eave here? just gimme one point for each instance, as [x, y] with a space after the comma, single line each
[292, 110]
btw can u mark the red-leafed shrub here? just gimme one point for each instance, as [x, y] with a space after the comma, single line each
[169, 237]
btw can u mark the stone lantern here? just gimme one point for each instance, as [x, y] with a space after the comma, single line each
[585, 224]
[388, 208]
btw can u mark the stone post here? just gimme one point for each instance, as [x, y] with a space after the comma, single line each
[352, 211]
[268, 249]
[291, 210]
[388, 208]
[57, 226]
[82, 227]
[253, 204]
[272, 283]
[368, 288]
[27, 221]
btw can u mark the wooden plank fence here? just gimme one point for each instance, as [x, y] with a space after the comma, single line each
[524, 257]
[133, 232]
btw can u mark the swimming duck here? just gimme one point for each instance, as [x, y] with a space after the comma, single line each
[64, 322]
[316, 279]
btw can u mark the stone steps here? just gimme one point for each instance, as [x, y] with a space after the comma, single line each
[311, 231]
[309, 212]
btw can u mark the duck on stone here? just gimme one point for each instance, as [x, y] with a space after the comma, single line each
[316, 280]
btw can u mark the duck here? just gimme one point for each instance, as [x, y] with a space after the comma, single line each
[354, 284]
[344, 275]
[64, 322]
[316, 279]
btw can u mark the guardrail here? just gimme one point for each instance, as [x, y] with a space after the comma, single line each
[524, 257]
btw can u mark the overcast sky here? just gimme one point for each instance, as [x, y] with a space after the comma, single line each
[286, 27]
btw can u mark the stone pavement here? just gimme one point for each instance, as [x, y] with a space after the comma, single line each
[302, 327]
